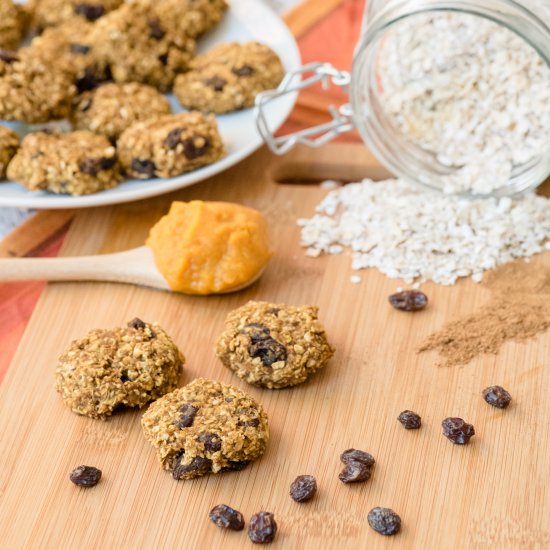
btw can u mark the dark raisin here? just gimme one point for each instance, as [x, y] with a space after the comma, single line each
[211, 442]
[187, 417]
[254, 423]
[195, 147]
[173, 138]
[92, 78]
[268, 350]
[8, 56]
[90, 11]
[108, 162]
[384, 521]
[216, 83]
[85, 476]
[497, 396]
[245, 70]
[274, 310]
[257, 332]
[409, 300]
[198, 466]
[410, 420]
[262, 527]
[155, 30]
[137, 324]
[79, 48]
[145, 167]
[235, 466]
[226, 517]
[458, 431]
[359, 466]
[303, 488]
[163, 58]
[90, 166]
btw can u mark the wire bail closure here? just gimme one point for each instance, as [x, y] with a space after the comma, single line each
[316, 136]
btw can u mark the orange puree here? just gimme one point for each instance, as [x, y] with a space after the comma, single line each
[209, 247]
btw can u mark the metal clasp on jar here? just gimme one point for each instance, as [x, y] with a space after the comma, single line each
[316, 136]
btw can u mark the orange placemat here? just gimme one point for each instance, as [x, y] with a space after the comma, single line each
[332, 39]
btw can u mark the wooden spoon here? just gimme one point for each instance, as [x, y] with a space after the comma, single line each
[135, 266]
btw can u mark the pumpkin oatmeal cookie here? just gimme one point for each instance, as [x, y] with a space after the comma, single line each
[9, 142]
[273, 345]
[139, 45]
[13, 23]
[49, 13]
[170, 145]
[206, 427]
[77, 163]
[122, 367]
[229, 77]
[112, 108]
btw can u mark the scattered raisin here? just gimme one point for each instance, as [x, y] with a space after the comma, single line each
[155, 30]
[409, 300]
[359, 466]
[410, 420]
[226, 517]
[93, 166]
[163, 58]
[257, 332]
[137, 324]
[254, 423]
[216, 83]
[91, 12]
[8, 56]
[458, 431]
[268, 350]
[303, 488]
[384, 521]
[235, 466]
[262, 528]
[85, 476]
[199, 465]
[173, 138]
[245, 70]
[497, 396]
[92, 78]
[195, 147]
[211, 442]
[187, 417]
[79, 48]
[146, 167]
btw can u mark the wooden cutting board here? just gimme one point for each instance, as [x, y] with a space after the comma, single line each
[491, 493]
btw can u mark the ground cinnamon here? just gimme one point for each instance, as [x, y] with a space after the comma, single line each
[519, 309]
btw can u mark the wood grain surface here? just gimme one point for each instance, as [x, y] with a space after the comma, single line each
[490, 494]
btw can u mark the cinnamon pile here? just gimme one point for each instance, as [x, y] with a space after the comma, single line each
[518, 309]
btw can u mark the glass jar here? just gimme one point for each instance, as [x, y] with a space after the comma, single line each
[431, 97]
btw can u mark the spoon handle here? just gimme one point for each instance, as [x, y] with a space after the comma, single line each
[132, 266]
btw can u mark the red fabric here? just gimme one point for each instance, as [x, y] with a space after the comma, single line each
[332, 40]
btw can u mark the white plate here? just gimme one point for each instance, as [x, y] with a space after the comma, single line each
[245, 20]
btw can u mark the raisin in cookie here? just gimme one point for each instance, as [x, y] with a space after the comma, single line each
[13, 23]
[122, 367]
[32, 89]
[206, 427]
[9, 142]
[273, 345]
[77, 163]
[139, 46]
[193, 17]
[112, 108]
[48, 13]
[170, 145]
[229, 77]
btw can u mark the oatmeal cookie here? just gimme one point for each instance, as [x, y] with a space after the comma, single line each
[49, 13]
[229, 77]
[9, 142]
[206, 427]
[138, 45]
[67, 47]
[170, 145]
[122, 367]
[13, 23]
[32, 89]
[194, 17]
[112, 108]
[76, 163]
[273, 345]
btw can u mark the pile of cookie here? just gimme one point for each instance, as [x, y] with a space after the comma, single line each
[104, 66]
